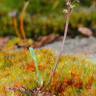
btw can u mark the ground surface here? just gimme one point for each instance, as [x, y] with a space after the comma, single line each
[86, 46]
[78, 45]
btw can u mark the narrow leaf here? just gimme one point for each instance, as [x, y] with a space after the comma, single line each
[34, 57]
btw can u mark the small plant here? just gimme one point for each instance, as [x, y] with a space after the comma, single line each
[38, 74]
[67, 11]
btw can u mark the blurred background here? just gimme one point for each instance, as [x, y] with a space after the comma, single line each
[45, 17]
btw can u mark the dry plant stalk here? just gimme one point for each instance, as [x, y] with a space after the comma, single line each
[22, 20]
[68, 13]
[20, 34]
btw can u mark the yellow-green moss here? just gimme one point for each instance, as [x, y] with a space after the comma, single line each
[16, 71]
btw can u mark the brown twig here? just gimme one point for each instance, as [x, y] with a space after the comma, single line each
[68, 13]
